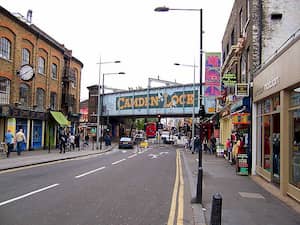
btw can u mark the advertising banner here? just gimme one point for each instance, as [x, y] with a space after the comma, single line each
[212, 74]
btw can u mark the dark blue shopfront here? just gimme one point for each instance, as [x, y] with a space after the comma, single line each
[35, 137]
[37, 131]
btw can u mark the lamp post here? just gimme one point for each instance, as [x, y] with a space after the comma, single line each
[193, 114]
[101, 104]
[98, 115]
[200, 169]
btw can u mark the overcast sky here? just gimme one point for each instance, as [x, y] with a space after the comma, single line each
[147, 43]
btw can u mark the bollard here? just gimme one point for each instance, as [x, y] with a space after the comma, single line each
[216, 209]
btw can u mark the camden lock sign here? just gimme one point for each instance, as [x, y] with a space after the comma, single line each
[160, 100]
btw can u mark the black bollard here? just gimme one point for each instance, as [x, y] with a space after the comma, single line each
[216, 210]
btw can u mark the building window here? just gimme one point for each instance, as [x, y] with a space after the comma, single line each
[54, 71]
[73, 77]
[241, 22]
[41, 65]
[40, 98]
[5, 47]
[53, 100]
[4, 90]
[232, 38]
[295, 138]
[25, 56]
[24, 95]
[248, 9]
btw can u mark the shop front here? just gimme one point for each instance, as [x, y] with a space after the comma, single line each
[276, 121]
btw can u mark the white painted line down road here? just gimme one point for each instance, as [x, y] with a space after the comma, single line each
[28, 194]
[131, 156]
[114, 163]
[92, 171]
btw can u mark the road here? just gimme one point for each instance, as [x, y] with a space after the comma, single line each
[118, 187]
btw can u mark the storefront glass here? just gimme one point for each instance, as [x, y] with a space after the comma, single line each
[266, 141]
[295, 139]
[259, 141]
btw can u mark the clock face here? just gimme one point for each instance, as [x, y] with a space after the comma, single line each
[26, 72]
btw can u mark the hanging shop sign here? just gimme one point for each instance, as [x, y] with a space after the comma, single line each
[240, 118]
[242, 89]
[229, 79]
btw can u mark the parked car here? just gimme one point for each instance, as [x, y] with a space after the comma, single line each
[125, 142]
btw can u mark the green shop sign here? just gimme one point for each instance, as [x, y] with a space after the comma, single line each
[229, 79]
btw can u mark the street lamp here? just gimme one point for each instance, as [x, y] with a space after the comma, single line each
[98, 115]
[101, 105]
[200, 169]
[193, 115]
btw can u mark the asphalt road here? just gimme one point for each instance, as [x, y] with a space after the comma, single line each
[116, 188]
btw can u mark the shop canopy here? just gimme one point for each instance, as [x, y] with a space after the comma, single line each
[60, 118]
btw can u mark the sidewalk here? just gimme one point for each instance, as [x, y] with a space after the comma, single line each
[35, 157]
[244, 201]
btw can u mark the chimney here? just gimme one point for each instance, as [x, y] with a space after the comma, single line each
[29, 16]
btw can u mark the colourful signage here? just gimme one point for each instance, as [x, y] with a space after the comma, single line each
[165, 100]
[212, 74]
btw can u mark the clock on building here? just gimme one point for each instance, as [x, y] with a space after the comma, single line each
[26, 72]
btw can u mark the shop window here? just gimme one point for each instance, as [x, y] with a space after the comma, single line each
[295, 151]
[266, 142]
[4, 90]
[295, 138]
[5, 48]
[25, 56]
[259, 141]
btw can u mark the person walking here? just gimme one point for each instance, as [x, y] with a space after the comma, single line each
[197, 143]
[72, 141]
[9, 140]
[63, 141]
[21, 140]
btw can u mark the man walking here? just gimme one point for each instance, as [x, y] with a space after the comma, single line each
[20, 139]
[9, 140]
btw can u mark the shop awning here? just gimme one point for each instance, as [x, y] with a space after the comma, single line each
[60, 118]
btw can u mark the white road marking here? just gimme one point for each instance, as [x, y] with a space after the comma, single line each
[92, 171]
[114, 163]
[163, 153]
[153, 156]
[131, 156]
[28, 194]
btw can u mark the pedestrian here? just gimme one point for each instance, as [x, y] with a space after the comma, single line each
[77, 141]
[227, 145]
[9, 140]
[63, 141]
[205, 147]
[21, 141]
[197, 143]
[86, 138]
[213, 142]
[72, 141]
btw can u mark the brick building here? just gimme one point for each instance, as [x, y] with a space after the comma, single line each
[41, 104]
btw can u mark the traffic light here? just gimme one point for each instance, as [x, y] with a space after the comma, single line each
[158, 116]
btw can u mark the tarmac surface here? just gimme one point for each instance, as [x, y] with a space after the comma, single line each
[245, 200]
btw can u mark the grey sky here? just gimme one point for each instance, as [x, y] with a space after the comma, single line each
[147, 42]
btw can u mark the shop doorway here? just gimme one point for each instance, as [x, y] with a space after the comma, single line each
[276, 148]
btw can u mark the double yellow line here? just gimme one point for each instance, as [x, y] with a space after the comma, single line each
[177, 204]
